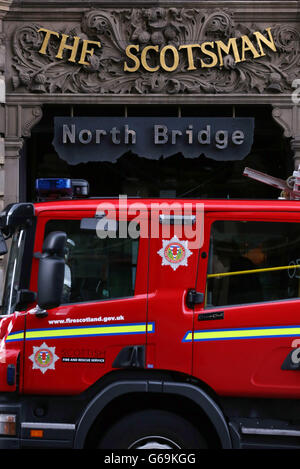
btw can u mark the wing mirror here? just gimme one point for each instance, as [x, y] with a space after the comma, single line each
[51, 272]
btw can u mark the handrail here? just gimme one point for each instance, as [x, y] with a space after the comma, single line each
[253, 271]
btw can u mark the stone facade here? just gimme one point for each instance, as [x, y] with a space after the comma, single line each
[32, 79]
[171, 27]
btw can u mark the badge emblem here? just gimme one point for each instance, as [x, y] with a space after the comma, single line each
[174, 252]
[43, 358]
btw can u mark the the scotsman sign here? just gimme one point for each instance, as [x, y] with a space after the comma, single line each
[211, 55]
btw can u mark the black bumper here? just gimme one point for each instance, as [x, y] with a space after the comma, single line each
[54, 434]
[9, 443]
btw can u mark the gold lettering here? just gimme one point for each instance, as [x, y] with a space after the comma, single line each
[85, 50]
[144, 58]
[269, 42]
[248, 46]
[49, 33]
[64, 45]
[163, 58]
[132, 57]
[189, 48]
[211, 54]
[214, 50]
[226, 48]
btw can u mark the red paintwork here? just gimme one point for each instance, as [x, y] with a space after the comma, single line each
[9, 352]
[237, 367]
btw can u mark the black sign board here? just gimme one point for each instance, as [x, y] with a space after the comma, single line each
[82, 139]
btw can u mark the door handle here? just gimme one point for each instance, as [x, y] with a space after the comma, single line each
[193, 298]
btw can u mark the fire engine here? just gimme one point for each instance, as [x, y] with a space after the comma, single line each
[149, 323]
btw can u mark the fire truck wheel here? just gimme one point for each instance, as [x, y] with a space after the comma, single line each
[152, 429]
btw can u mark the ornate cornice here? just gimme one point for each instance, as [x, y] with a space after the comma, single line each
[244, 10]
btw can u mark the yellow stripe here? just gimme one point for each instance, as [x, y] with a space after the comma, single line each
[86, 331]
[245, 333]
[253, 271]
[83, 331]
[18, 336]
[189, 337]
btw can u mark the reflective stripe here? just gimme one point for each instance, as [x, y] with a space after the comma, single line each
[247, 333]
[14, 336]
[86, 331]
[48, 426]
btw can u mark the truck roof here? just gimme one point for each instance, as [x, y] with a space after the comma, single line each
[142, 203]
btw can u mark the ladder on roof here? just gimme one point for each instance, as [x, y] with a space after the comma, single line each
[290, 189]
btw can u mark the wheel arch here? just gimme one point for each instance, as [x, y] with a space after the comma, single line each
[122, 388]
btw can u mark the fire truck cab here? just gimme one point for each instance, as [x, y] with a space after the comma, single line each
[149, 324]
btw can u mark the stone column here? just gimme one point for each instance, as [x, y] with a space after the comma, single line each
[295, 146]
[288, 117]
[4, 7]
[12, 157]
[16, 122]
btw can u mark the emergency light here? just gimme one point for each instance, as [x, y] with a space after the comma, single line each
[60, 188]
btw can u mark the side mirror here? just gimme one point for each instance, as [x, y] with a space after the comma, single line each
[51, 271]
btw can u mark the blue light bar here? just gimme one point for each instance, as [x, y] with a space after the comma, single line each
[53, 188]
[61, 188]
[52, 183]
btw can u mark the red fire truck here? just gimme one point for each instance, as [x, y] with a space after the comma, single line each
[114, 334]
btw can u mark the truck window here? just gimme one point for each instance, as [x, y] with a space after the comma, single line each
[251, 262]
[96, 269]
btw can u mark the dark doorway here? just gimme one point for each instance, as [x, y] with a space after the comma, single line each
[175, 176]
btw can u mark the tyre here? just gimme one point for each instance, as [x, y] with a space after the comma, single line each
[152, 429]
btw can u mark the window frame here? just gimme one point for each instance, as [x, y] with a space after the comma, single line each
[141, 275]
[251, 216]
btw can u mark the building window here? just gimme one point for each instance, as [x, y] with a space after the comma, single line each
[96, 269]
[253, 261]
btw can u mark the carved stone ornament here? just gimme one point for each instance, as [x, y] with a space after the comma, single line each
[116, 29]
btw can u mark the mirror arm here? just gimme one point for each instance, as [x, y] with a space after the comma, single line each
[24, 298]
[40, 312]
[41, 255]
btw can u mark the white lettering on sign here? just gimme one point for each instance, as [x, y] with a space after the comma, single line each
[71, 135]
[162, 135]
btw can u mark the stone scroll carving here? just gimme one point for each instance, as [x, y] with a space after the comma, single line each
[115, 29]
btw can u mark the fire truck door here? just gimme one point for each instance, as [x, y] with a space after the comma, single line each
[248, 325]
[172, 273]
[101, 324]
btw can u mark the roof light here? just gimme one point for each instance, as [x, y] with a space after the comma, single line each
[53, 188]
[60, 188]
[80, 187]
